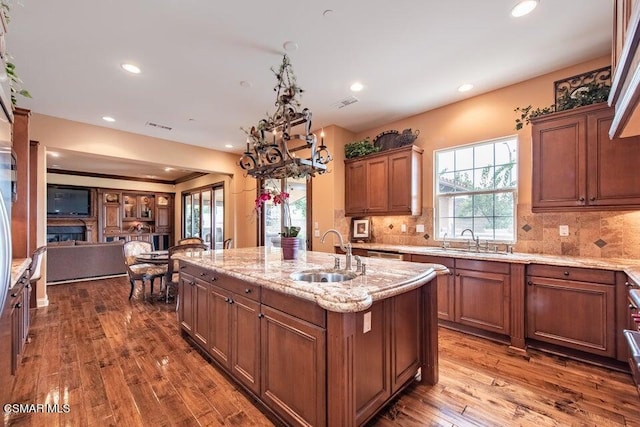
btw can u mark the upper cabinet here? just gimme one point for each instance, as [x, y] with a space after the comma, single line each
[386, 183]
[138, 207]
[576, 166]
[625, 85]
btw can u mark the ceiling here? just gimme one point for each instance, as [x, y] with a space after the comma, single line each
[411, 56]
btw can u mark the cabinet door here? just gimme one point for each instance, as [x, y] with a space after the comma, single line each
[111, 217]
[220, 325]
[613, 173]
[163, 219]
[372, 362]
[293, 368]
[482, 300]
[559, 162]
[405, 337]
[446, 285]
[145, 207]
[377, 188]
[573, 314]
[186, 311]
[355, 188]
[201, 315]
[245, 342]
[130, 207]
[405, 173]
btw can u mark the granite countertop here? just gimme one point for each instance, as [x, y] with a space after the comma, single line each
[18, 267]
[630, 266]
[264, 266]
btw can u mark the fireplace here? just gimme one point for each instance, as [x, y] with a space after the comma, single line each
[62, 233]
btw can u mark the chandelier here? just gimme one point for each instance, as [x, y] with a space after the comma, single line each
[274, 149]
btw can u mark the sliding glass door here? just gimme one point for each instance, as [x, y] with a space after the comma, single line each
[203, 215]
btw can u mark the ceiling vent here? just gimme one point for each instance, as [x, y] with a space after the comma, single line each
[345, 101]
[159, 126]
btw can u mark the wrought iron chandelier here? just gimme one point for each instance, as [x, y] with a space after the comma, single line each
[274, 151]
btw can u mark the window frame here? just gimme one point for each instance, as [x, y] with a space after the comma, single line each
[200, 190]
[437, 196]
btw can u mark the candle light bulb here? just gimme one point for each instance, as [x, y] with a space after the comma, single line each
[322, 136]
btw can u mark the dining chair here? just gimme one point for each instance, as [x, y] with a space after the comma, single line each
[190, 240]
[141, 271]
[35, 268]
[227, 244]
[172, 276]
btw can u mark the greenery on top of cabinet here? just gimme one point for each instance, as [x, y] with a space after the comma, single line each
[360, 148]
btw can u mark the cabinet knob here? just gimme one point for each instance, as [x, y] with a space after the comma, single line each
[19, 305]
[458, 274]
[632, 307]
[214, 278]
[581, 199]
[566, 273]
[627, 284]
[530, 283]
[14, 295]
[192, 283]
[247, 291]
[592, 199]
[202, 274]
[260, 315]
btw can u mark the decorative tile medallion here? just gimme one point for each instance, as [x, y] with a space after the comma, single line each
[600, 243]
[527, 227]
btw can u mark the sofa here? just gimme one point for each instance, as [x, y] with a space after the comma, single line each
[77, 260]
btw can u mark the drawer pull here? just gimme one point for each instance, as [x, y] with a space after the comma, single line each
[19, 305]
[632, 307]
[202, 274]
[566, 273]
[581, 199]
[213, 279]
[14, 295]
[458, 274]
[530, 283]
[627, 284]
[247, 291]
[260, 315]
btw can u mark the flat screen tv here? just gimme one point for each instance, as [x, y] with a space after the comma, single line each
[68, 201]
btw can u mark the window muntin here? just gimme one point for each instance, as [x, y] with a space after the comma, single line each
[204, 215]
[476, 187]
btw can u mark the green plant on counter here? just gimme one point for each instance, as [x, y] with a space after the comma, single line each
[291, 231]
[359, 148]
[591, 93]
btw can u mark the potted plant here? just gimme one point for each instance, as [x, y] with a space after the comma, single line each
[359, 148]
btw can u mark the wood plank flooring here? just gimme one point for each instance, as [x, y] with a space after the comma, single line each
[121, 363]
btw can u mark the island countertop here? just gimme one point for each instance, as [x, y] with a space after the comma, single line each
[265, 267]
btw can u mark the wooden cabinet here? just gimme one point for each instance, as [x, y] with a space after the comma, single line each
[164, 213]
[446, 285]
[482, 295]
[138, 207]
[576, 166]
[572, 307]
[111, 212]
[293, 367]
[386, 183]
[20, 316]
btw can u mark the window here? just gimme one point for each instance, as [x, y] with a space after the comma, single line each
[476, 187]
[204, 215]
[273, 215]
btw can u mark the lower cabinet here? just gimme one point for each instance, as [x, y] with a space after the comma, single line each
[446, 284]
[572, 307]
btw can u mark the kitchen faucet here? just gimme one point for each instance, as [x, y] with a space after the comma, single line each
[473, 237]
[346, 248]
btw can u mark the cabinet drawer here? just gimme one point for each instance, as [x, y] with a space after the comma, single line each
[487, 266]
[302, 309]
[237, 286]
[194, 271]
[572, 273]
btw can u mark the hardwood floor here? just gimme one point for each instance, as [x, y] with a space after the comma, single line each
[124, 363]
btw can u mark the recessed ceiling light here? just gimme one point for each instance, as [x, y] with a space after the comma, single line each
[465, 87]
[108, 119]
[523, 8]
[290, 46]
[55, 166]
[327, 13]
[131, 68]
[228, 145]
[245, 84]
[356, 87]
[53, 153]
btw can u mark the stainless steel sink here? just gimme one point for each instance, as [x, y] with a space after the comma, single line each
[323, 276]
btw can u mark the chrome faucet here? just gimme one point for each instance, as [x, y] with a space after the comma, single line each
[473, 237]
[445, 244]
[346, 248]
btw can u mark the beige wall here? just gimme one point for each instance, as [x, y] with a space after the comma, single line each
[490, 116]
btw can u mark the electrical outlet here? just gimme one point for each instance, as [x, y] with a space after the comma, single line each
[420, 228]
[366, 327]
[403, 228]
[315, 225]
[316, 233]
[563, 230]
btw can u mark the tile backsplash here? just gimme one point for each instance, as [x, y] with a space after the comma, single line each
[603, 234]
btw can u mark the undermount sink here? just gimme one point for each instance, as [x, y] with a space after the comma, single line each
[323, 276]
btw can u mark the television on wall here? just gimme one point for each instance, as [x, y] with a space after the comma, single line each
[68, 201]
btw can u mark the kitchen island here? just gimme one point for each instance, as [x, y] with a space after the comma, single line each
[312, 353]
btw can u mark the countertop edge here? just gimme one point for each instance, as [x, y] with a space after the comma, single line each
[18, 267]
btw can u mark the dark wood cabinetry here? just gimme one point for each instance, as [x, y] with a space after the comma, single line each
[577, 166]
[387, 183]
[572, 307]
[446, 285]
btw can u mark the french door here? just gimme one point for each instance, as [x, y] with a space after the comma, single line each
[203, 215]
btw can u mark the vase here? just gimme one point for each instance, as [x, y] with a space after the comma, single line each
[290, 247]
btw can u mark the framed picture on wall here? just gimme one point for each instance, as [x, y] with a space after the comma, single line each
[360, 229]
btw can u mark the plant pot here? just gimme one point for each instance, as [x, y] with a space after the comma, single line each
[290, 247]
